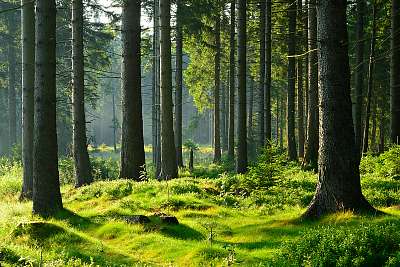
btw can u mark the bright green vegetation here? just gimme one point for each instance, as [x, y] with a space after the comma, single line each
[227, 219]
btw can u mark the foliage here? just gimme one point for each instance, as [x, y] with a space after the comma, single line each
[387, 164]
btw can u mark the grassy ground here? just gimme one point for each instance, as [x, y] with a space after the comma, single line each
[218, 226]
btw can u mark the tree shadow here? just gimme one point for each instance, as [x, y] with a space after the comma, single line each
[75, 220]
[181, 231]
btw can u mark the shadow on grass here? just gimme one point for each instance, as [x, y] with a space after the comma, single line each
[75, 220]
[181, 231]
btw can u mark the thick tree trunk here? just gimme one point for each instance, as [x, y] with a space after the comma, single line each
[370, 83]
[12, 103]
[291, 136]
[169, 168]
[312, 145]
[232, 87]
[300, 96]
[178, 85]
[46, 184]
[132, 144]
[395, 73]
[158, 86]
[28, 86]
[83, 169]
[268, 63]
[338, 186]
[217, 84]
[155, 84]
[359, 74]
[241, 164]
[261, 92]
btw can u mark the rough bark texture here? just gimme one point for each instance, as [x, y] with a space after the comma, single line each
[46, 184]
[261, 89]
[312, 145]
[338, 186]
[217, 85]
[83, 169]
[155, 84]
[291, 136]
[268, 62]
[132, 144]
[300, 96]
[28, 86]
[370, 83]
[232, 87]
[395, 73]
[359, 73]
[12, 104]
[241, 164]
[178, 85]
[168, 156]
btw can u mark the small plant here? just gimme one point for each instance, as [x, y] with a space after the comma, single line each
[231, 258]
[191, 146]
[210, 227]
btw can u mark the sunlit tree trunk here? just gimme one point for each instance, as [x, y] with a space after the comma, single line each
[338, 186]
[132, 144]
[168, 156]
[83, 169]
[46, 184]
[241, 163]
[28, 86]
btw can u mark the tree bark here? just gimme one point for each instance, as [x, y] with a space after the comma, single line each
[261, 93]
[28, 86]
[359, 73]
[291, 136]
[241, 163]
[155, 84]
[300, 96]
[217, 84]
[178, 85]
[83, 169]
[169, 168]
[338, 186]
[268, 63]
[46, 184]
[12, 103]
[132, 144]
[395, 74]
[312, 145]
[232, 87]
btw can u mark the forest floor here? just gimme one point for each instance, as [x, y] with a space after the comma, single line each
[219, 224]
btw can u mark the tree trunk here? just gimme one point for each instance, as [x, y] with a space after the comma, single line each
[178, 84]
[381, 148]
[373, 130]
[12, 103]
[217, 78]
[155, 84]
[83, 169]
[46, 184]
[395, 74]
[241, 164]
[300, 97]
[132, 144]
[261, 94]
[291, 136]
[114, 121]
[158, 87]
[370, 83]
[359, 73]
[338, 186]
[168, 156]
[312, 145]
[28, 86]
[268, 63]
[232, 87]
[224, 141]
[250, 114]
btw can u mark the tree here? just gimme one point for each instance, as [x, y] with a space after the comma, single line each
[132, 144]
[268, 58]
[395, 74]
[232, 86]
[311, 146]
[178, 84]
[338, 186]
[359, 73]
[261, 111]
[217, 84]
[300, 97]
[12, 104]
[83, 169]
[168, 156]
[46, 184]
[241, 163]
[291, 138]
[28, 86]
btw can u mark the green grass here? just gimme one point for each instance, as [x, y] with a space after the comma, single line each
[261, 228]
